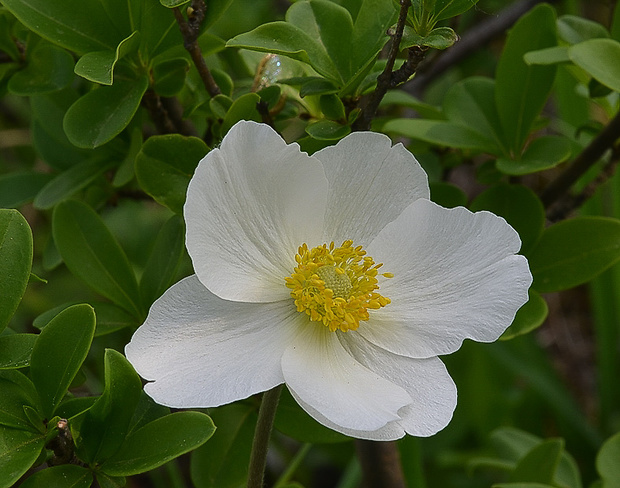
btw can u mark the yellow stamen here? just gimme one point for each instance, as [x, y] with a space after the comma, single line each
[336, 285]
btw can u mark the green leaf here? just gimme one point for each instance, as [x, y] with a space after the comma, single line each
[470, 103]
[542, 153]
[539, 465]
[15, 262]
[170, 76]
[294, 422]
[70, 182]
[59, 353]
[164, 166]
[286, 39]
[521, 90]
[332, 107]
[17, 189]
[163, 261]
[223, 461]
[15, 350]
[442, 133]
[573, 29]
[404, 99]
[19, 449]
[327, 130]
[17, 392]
[243, 108]
[607, 462]
[73, 24]
[111, 318]
[447, 195]
[445, 9]
[158, 442]
[549, 55]
[173, 3]
[63, 476]
[110, 481]
[125, 172]
[98, 66]
[438, 38]
[600, 58]
[49, 69]
[104, 112]
[523, 485]
[573, 252]
[92, 254]
[529, 317]
[100, 430]
[521, 208]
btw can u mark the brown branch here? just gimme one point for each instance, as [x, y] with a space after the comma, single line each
[384, 81]
[190, 31]
[583, 162]
[157, 113]
[380, 463]
[175, 112]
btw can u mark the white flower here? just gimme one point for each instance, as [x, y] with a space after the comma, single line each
[272, 301]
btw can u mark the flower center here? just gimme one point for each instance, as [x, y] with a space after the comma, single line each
[336, 285]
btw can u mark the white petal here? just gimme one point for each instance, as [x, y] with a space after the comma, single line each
[201, 351]
[456, 277]
[249, 206]
[370, 184]
[325, 379]
[426, 380]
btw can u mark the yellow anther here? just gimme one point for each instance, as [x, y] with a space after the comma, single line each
[336, 285]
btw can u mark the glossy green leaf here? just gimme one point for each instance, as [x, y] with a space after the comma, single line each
[445, 9]
[17, 392]
[59, 353]
[529, 317]
[98, 66]
[164, 260]
[111, 318]
[19, 188]
[111, 481]
[100, 431]
[441, 133]
[519, 206]
[125, 172]
[15, 262]
[573, 29]
[607, 462]
[521, 90]
[327, 130]
[223, 461]
[158, 442]
[92, 254]
[286, 39]
[404, 99]
[600, 58]
[243, 108]
[104, 112]
[615, 24]
[63, 476]
[15, 350]
[49, 69]
[523, 485]
[70, 182]
[73, 24]
[19, 449]
[165, 165]
[542, 153]
[438, 38]
[294, 422]
[573, 252]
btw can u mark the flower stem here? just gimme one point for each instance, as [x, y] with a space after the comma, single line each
[260, 445]
[380, 464]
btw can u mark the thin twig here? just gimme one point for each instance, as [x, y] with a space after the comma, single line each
[260, 445]
[583, 162]
[380, 463]
[384, 81]
[157, 113]
[190, 31]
